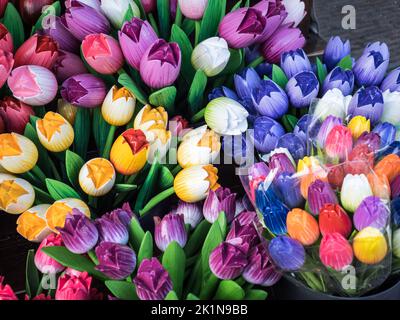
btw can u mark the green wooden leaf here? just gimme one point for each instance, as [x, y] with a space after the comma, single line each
[123, 290]
[146, 248]
[237, 5]
[164, 97]
[196, 92]
[211, 19]
[73, 165]
[54, 9]
[346, 63]
[13, 22]
[32, 280]
[82, 131]
[42, 197]
[125, 80]
[229, 290]
[223, 224]
[166, 179]
[174, 261]
[179, 36]
[136, 234]
[188, 26]
[197, 238]
[59, 190]
[235, 62]
[140, 5]
[279, 77]
[121, 188]
[148, 188]
[100, 129]
[171, 296]
[74, 261]
[321, 71]
[191, 296]
[289, 122]
[163, 10]
[256, 294]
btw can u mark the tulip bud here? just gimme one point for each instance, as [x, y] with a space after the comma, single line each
[372, 212]
[395, 187]
[199, 147]
[244, 237]
[191, 212]
[370, 246]
[380, 185]
[270, 100]
[6, 41]
[79, 233]
[302, 89]
[6, 292]
[302, 226]
[396, 243]
[32, 223]
[358, 125]
[367, 102]
[392, 81]
[211, 56]
[336, 50]
[31, 10]
[95, 4]
[129, 152]
[40, 50]
[294, 62]
[339, 79]
[193, 9]
[319, 194]
[355, 189]
[18, 154]
[59, 210]
[178, 126]
[151, 118]
[220, 111]
[67, 110]
[55, 133]
[281, 163]
[288, 186]
[220, 200]
[333, 103]
[33, 85]
[135, 37]
[335, 251]
[97, 177]
[82, 20]
[116, 261]
[152, 280]
[388, 166]
[326, 127]
[387, 133]
[149, 5]
[6, 65]
[295, 144]
[111, 229]
[123, 215]
[245, 82]
[333, 219]
[74, 287]
[161, 64]
[16, 194]
[43, 262]
[60, 34]
[102, 53]
[288, 254]
[118, 106]
[84, 90]
[391, 113]
[170, 228]
[68, 65]
[194, 183]
[117, 10]
[339, 143]
[160, 141]
[370, 68]
[371, 140]
[227, 261]
[296, 12]
[267, 132]
[15, 114]
[308, 171]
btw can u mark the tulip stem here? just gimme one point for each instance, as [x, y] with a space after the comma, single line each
[154, 23]
[176, 170]
[156, 200]
[39, 174]
[178, 17]
[198, 116]
[109, 142]
[256, 62]
[197, 25]
[93, 257]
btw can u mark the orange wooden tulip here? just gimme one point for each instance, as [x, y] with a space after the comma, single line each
[302, 226]
[380, 185]
[389, 166]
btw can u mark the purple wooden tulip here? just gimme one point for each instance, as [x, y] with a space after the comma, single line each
[307, 127]
[84, 90]
[79, 234]
[223, 91]
[135, 37]
[387, 133]
[82, 20]
[245, 82]
[191, 212]
[170, 228]
[260, 270]
[367, 102]
[270, 100]
[58, 32]
[227, 261]
[68, 65]
[340, 79]
[243, 236]
[116, 261]
[259, 170]
[284, 39]
[266, 134]
[395, 187]
[327, 125]
[288, 187]
[247, 218]
[288, 254]
[371, 139]
[295, 61]
[161, 64]
[319, 194]
[220, 200]
[392, 81]
[371, 67]
[111, 229]
[302, 89]
[372, 212]
[336, 50]
[152, 280]
[296, 146]
[123, 215]
[281, 163]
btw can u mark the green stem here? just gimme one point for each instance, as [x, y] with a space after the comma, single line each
[154, 23]
[198, 116]
[176, 170]
[256, 62]
[178, 18]
[54, 170]
[131, 179]
[109, 142]
[197, 25]
[156, 200]
[39, 174]
[92, 201]
[93, 257]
